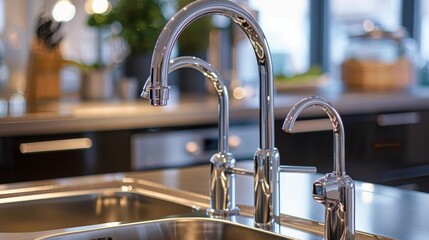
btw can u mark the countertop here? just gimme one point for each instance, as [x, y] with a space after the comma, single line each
[76, 116]
[381, 210]
[384, 211]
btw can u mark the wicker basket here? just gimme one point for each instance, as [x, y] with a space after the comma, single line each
[374, 75]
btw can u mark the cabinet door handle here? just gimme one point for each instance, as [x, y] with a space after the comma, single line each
[312, 125]
[394, 119]
[56, 145]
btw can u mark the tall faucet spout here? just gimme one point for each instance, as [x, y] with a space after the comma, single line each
[335, 190]
[337, 127]
[164, 47]
[221, 91]
[266, 160]
[222, 170]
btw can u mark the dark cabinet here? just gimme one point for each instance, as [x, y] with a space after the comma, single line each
[27, 158]
[386, 148]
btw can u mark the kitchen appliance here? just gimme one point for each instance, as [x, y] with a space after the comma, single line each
[161, 149]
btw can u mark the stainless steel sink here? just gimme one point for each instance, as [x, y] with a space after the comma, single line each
[174, 229]
[52, 206]
[83, 209]
[124, 206]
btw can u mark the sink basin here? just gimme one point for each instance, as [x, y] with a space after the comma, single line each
[174, 229]
[60, 205]
[82, 210]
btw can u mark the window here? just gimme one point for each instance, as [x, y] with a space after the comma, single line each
[425, 31]
[347, 18]
[286, 26]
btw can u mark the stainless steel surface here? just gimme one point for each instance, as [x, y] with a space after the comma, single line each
[374, 203]
[266, 157]
[74, 209]
[188, 187]
[32, 209]
[335, 190]
[174, 229]
[189, 147]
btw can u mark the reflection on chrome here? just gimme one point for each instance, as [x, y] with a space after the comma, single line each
[335, 190]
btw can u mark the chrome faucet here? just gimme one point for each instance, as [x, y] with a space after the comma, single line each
[266, 159]
[335, 190]
[222, 170]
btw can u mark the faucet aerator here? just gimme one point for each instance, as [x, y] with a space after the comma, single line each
[146, 89]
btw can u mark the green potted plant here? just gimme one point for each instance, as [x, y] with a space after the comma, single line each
[140, 23]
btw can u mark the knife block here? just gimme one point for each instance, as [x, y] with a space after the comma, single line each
[43, 75]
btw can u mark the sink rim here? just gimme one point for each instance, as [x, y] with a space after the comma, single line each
[121, 182]
[83, 208]
[185, 218]
[114, 182]
[117, 182]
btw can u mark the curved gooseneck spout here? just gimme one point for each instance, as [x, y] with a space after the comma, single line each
[218, 83]
[266, 157]
[337, 126]
[222, 179]
[220, 88]
[195, 10]
[335, 190]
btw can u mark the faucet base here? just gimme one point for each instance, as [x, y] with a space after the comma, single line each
[222, 185]
[265, 226]
[266, 187]
[222, 213]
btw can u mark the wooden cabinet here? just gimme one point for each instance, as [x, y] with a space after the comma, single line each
[386, 148]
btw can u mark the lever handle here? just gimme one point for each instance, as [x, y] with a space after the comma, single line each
[298, 169]
[241, 171]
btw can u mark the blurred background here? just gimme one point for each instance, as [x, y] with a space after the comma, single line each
[74, 69]
[304, 36]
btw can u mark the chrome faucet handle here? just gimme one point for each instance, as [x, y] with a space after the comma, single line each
[241, 171]
[335, 190]
[297, 169]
